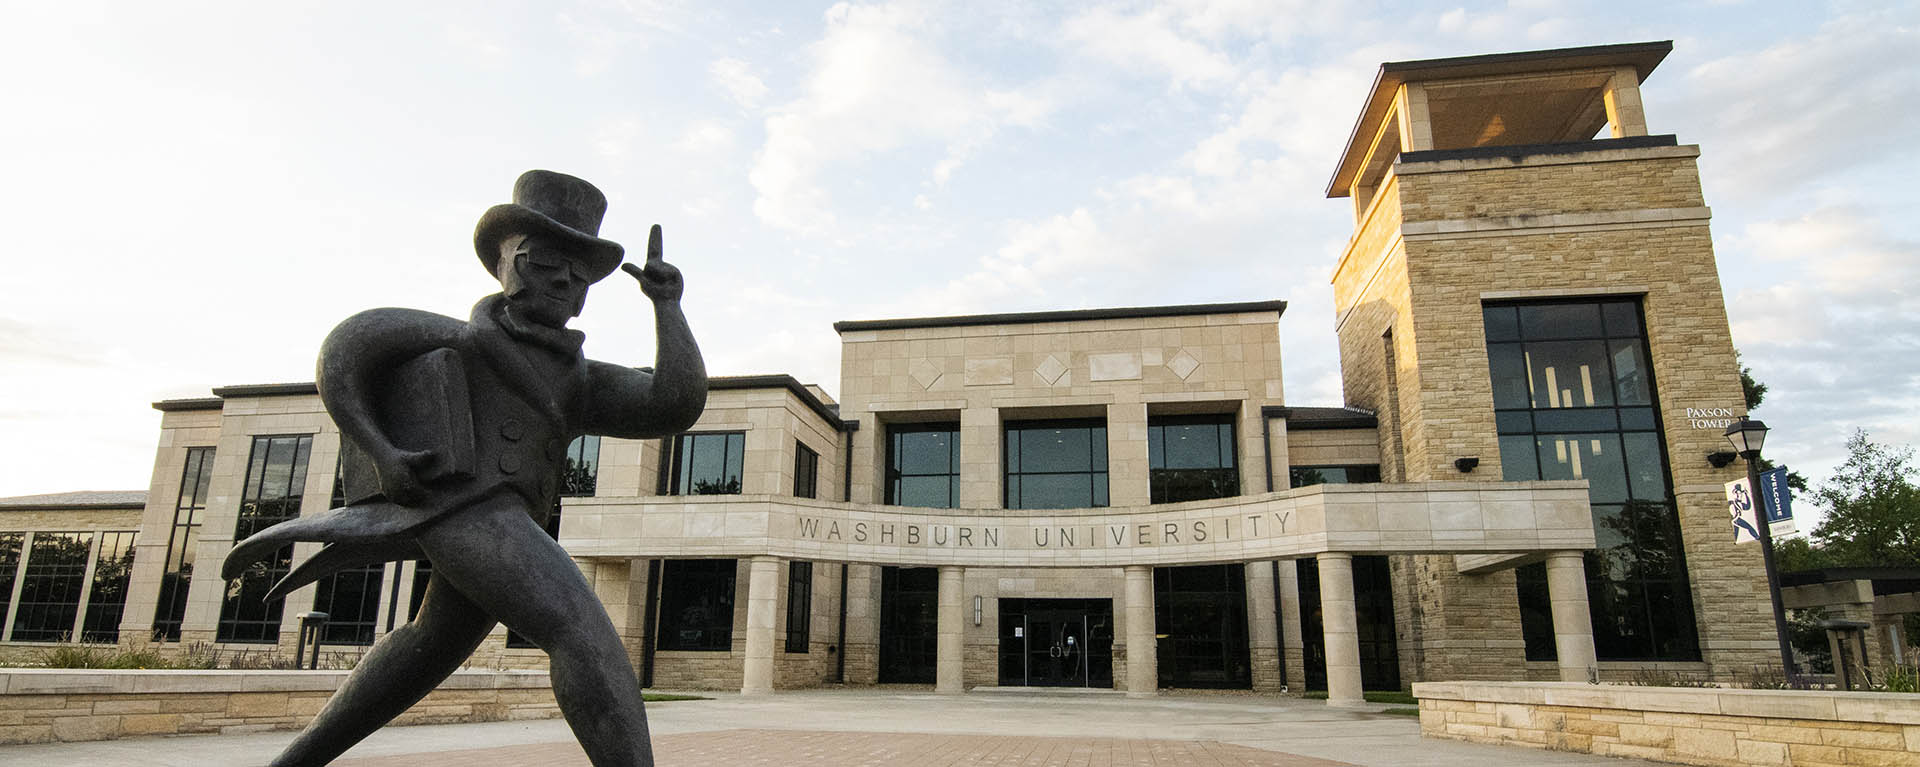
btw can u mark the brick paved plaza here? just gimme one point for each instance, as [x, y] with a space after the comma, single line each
[746, 748]
[886, 726]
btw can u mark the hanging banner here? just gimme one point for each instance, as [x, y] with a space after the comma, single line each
[1777, 498]
[1740, 506]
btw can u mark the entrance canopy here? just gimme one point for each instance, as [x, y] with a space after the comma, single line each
[1414, 518]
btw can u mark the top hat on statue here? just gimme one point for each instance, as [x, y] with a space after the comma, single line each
[555, 204]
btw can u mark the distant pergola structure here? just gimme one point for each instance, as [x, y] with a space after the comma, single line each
[1878, 597]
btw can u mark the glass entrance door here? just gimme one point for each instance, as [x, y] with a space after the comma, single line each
[1056, 642]
[1056, 648]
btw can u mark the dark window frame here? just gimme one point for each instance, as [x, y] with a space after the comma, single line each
[1174, 485]
[50, 591]
[799, 606]
[896, 474]
[176, 574]
[1099, 478]
[12, 548]
[107, 594]
[1657, 610]
[1219, 655]
[682, 580]
[679, 472]
[244, 617]
[1350, 473]
[806, 471]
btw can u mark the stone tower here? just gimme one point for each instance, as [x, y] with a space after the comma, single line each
[1530, 292]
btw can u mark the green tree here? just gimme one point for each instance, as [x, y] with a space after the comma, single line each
[1874, 508]
[1750, 388]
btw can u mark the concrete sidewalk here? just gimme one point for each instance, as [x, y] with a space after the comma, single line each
[884, 727]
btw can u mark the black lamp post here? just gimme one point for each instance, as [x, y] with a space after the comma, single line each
[1747, 435]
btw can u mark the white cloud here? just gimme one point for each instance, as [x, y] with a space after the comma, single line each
[1150, 42]
[1808, 108]
[737, 79]
[1835, 337]
[878, 83]
[703, 136]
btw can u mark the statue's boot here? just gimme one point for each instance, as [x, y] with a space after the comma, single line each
[401, 669]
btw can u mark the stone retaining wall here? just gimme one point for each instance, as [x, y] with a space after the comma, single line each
[1802, 728]
[43, 705]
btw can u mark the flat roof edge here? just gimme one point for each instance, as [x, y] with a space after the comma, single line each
[779, 381]
[1065, 315]
[267, 390]
[195, 403]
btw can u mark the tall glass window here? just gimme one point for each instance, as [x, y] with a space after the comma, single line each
[806, 471]
[1056, 464]
[1191, 458]
[108, 598]
[50, 587]
[799, 605]
[696, 605]
[1574, 399]
[909, 624]
[1200, 617]
[184, 537]
[923, 465]
[276, 476]
[10, 544]
[707, 464]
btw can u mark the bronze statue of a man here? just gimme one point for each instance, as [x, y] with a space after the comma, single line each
[454, 435]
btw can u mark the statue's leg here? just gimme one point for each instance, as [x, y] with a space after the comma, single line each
[498, 557]
[401, 669]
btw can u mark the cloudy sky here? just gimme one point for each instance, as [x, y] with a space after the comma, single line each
[196, 192]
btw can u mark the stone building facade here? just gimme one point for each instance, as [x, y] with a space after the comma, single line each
[1530, 325]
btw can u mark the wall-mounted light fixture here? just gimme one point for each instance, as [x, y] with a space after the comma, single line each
[978, 614]
[1465, 464]
[1721, 458]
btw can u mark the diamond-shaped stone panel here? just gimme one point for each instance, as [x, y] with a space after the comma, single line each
[1183, 364]
[1050, 370]
[925, 373]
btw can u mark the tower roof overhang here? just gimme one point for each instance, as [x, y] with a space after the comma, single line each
[1643, 57]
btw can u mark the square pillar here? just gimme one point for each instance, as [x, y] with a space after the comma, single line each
[763, 597]
[1143, 667]
[949, 666]
[1572, 621]
[1128, 475]
[1340, 627]
[1625, 114]
[980, 459]
[1292, 633]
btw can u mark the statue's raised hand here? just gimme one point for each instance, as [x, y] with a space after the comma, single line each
[658, 279]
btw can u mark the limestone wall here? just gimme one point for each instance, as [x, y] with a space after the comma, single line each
[45, 705]
[1686, 725]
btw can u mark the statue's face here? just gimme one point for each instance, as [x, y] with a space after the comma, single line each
[543, 279]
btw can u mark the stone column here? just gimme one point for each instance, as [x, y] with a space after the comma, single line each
[1295, 636]
[862, 643]
[1340, 626]
[949, 671]
[1572, 623]
[1143, 666]
[763, 598]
